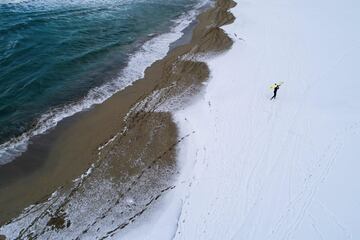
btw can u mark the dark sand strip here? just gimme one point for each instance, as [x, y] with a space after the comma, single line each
[141, 159]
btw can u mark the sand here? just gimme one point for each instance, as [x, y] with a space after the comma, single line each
[129, 142]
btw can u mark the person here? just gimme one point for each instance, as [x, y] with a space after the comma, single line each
[276, 88]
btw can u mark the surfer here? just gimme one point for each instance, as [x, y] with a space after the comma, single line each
[276, 88]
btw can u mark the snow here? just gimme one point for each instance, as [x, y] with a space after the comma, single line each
[282, 169]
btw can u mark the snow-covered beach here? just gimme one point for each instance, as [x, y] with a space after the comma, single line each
[132, 140]
[282, 169]
[248, 167]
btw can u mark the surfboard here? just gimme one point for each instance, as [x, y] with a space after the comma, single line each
[273, 85]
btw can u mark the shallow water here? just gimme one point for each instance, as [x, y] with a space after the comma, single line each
[54, 53]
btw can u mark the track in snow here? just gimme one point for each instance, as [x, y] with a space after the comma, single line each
[284, 169]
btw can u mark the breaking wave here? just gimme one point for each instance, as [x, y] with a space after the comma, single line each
[152, 50]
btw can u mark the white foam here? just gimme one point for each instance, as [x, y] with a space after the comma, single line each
[69, 3]
[152, 50]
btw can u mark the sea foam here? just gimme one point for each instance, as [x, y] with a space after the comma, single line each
[152, 50]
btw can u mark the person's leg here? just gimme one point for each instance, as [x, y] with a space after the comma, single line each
[273, 97]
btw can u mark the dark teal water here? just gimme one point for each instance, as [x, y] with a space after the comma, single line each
[53, 52]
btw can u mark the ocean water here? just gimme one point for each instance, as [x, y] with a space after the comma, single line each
[59, 57]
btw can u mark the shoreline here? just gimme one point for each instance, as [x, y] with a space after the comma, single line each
[44, 152]
[171, 78]
[140, 55]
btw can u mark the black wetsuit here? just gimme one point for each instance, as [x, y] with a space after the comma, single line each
[275, 91]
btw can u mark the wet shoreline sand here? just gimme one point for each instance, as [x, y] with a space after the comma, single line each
[146, 136]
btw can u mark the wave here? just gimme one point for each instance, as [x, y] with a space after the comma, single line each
[152, 50]
[46, 4]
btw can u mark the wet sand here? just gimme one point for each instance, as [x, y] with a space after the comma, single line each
[139, 159]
